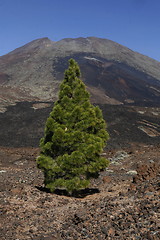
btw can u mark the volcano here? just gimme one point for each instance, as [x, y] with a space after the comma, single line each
[113, 73]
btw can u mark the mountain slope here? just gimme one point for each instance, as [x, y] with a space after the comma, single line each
[113, 73]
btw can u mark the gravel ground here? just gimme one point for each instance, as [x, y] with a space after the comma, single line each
[123, 203]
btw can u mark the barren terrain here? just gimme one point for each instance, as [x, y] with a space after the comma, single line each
[123, 203]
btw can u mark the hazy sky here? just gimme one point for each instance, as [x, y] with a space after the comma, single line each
[132, 23]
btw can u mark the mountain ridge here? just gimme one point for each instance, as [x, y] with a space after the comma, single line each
[36, 69]
[92, 47]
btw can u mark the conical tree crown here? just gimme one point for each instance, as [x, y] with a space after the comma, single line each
[75, 135]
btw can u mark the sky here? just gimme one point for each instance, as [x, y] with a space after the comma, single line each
[132, 23]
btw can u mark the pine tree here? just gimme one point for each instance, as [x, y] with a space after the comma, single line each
[75, 135]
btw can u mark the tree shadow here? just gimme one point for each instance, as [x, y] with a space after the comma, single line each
[76, 194]
[85, 192]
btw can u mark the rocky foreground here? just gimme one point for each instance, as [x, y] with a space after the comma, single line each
[123, 203]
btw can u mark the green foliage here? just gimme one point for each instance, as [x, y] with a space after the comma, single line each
[75, 135]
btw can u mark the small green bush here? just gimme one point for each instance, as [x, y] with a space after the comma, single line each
[75, 135]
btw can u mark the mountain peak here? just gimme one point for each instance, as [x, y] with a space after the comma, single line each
[111, 71]
[33, 45]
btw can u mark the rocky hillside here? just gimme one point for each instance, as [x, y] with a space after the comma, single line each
[113, 73]
[123, 202]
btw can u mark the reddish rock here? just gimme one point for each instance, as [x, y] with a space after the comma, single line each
[107, 179]
[111, 232]
[146, 172]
